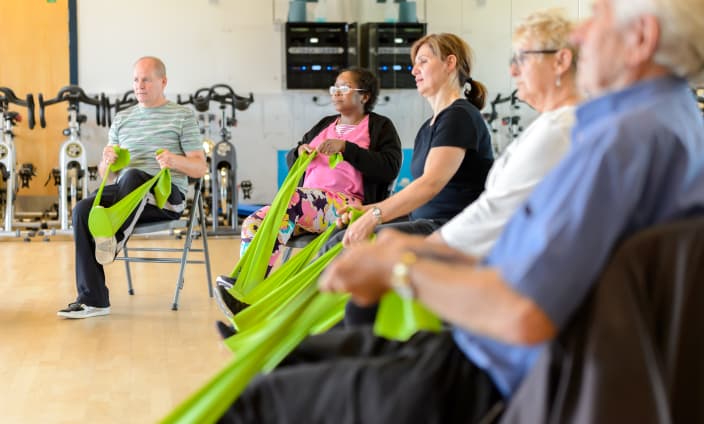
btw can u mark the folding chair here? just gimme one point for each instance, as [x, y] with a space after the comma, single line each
[194, 224]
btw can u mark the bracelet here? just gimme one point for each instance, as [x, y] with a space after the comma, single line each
[400, 275]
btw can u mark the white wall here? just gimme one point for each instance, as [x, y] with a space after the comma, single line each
[240, 43]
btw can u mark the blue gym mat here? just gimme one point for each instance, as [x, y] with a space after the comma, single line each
[246, 209]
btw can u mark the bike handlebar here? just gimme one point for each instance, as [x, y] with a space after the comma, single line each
[512, 98]
[128, 99]
[10, 97]
[498, 100]
[184, 102]
[230, 97]
[201, 101]
[105, 105]
[30, 111]
[221, 93]
[72, 94]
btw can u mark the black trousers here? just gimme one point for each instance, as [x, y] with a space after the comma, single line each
[350, 376]
[90, 276]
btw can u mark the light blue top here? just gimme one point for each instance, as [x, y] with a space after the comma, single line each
[637, 159]
[143, 130]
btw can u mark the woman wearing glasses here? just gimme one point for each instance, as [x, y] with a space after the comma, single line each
[371, 150]
[543, 68]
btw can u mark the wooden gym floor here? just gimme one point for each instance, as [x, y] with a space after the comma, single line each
[133, 366]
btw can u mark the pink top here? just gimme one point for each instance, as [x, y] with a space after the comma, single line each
[344, 178]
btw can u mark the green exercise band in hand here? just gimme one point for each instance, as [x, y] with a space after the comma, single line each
[285, 308]
[104, 222]
[398, 318]
[251, 268]
[335, 159]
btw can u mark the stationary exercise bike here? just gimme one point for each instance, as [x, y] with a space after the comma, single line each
[223, 157]
[500, 141]
[512, 121]
[201, 102]
[223, 165]
[7, 153]
[72, 156]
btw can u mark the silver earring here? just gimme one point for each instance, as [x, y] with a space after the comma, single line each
[558, 82]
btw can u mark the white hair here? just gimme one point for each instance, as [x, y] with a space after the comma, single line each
[681, 44]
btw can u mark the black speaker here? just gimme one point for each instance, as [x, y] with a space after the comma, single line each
[317, 51]
[386, 50]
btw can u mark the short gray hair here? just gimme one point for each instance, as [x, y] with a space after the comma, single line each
[681, 47]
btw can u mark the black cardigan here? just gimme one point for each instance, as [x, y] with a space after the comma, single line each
[379, 165]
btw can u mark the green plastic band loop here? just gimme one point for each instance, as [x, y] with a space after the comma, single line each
[104, 222]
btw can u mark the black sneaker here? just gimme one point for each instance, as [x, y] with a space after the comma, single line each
[226, 331]
[225, 281]
[227, 303]
[77, 310]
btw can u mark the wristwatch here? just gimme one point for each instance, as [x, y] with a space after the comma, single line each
[400, 278]
[376, 213]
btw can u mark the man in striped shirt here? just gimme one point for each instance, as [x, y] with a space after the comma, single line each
[152, 124]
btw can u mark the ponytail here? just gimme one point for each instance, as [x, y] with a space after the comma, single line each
[475, 92]
[446, 44]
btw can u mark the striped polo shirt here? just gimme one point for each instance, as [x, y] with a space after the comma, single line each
[143, 130]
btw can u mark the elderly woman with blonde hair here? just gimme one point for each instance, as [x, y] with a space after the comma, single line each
[543, 67]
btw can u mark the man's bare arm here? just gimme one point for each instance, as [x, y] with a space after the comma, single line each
[447, 281]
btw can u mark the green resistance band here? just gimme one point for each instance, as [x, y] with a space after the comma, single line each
[104, 222]
[269, 329]
[251, 268]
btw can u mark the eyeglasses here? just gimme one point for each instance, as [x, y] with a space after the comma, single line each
[519, 58]
[343, 89]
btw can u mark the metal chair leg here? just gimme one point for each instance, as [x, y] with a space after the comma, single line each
[287, 253]
[206, 253]
[130, 289]
[182, 267]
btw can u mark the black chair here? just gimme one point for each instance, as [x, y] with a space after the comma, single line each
[632, 351]
[194, 226]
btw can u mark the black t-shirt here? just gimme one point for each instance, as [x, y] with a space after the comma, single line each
[459, 125]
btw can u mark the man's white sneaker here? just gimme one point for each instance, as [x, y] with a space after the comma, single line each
[105, 250]
[79, 310]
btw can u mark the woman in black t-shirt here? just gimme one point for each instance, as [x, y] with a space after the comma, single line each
[452, 151]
